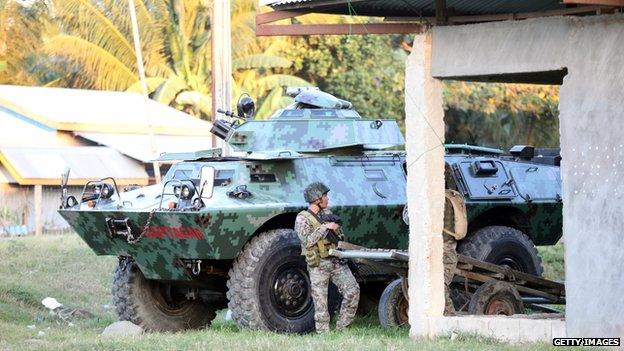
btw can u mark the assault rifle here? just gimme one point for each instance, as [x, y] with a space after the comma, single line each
[332, 236]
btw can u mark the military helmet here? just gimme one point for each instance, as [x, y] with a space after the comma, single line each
[315, 191]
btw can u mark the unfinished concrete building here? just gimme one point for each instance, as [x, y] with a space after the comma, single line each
[577, 44]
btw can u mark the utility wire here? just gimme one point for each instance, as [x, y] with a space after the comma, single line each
[407, 94]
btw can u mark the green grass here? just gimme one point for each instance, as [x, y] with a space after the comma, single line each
[552, 260]
[63, 267]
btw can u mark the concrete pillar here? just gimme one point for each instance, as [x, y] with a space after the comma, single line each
[425, 187]
[591, 124]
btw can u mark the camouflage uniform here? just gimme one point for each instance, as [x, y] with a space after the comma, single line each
[455, 226]
[449, 246]
[328, 268]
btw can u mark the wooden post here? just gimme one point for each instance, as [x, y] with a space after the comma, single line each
[143, 80]
[38, 209]
[221, 62]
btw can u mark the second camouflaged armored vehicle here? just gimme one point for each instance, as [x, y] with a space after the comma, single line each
[218, 231]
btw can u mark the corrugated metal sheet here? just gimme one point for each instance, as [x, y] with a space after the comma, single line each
[19, 131]
[98, 111]
[6, 177]
[31, 165]
[424, 8]
[138, 147]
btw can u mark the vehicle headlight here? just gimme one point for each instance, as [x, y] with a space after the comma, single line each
[187, 192]
[104, 190]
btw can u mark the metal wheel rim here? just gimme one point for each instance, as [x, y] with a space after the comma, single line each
[167, 300]
[290, 290]
[500, 305]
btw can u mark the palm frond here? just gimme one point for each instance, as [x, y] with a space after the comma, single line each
[150, 32]
[167, 91]
[104, 70]
[152, 84]
[202, 101]
[279, 80]
[82, 19]
[260, 61]
[269, 103]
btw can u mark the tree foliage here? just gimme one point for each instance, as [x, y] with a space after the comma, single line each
[88, 44]
[501, 115]
[365, 70]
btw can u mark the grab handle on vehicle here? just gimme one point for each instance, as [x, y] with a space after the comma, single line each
[118, 227]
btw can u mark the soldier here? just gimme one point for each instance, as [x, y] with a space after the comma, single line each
[455, 228]
[313, 233]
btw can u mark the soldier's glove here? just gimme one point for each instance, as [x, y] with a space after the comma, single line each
[330, 217]
[332, 237]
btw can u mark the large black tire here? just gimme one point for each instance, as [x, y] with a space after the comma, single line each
[503, 246]
[460, 297]
[393, 306]
[269, 286]
[153, 305]
[496, 298]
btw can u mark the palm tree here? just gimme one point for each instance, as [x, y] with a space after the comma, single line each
[23, 27]
[94, 37]
[89, 46]
[254, 61]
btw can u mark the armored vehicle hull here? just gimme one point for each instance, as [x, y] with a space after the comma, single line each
[190, 246]
[219, 232]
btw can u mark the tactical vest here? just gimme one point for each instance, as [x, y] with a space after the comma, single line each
[314, 254]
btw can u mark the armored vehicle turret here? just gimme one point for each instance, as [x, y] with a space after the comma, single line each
[218, 231]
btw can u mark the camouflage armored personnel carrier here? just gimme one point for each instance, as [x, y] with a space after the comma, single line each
[218, 231]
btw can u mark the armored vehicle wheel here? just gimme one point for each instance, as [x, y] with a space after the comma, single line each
[155, 305]
[269, 287]
[393, 306]
[496, 298]
[503, 246]
[460, 297]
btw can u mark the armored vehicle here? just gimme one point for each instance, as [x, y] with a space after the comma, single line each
[218, 231]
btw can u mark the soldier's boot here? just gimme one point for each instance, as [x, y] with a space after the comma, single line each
[449, 259]
[322, 324]
[350, 291]
[449, 308]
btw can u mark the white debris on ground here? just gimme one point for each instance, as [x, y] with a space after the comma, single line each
[228, 315]
[63, 313]
[122, 328]
[51, 303]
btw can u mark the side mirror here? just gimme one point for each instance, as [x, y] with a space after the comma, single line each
[246, 107]
[206, 182]
[65, 177]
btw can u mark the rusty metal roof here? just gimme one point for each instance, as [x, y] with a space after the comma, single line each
[415, 8]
